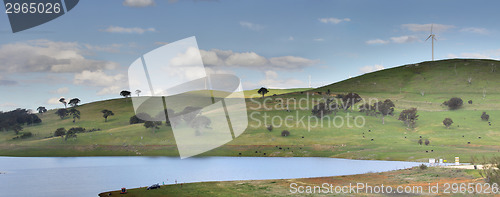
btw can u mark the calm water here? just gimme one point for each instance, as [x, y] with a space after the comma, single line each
[88, 176]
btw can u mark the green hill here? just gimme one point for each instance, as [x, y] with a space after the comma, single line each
[439, 81]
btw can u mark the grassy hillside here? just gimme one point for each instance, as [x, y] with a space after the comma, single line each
[391, 141]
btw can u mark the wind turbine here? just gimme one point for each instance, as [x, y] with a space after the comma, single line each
[433, 37]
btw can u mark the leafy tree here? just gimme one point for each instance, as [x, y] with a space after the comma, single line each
[74, 113]
[106, 113]
[447, 122]
[135, 120]
[70, 134]
[41, 109]
[385, 108]
[427, 142]
[60, 132]
[285, 133]
[153, 125]
[77, 130]
[33, 119]
[200, 122]
[320, 110]
[138, 92]
[350, 100]
[74, 102]
[262, 91]
[63, 101]
[15, 119]
[454, 103]
[485, 116]
[62, 113]
[370, 110]
[189, 113]
[125, 93]
[17, 128]
[409, 117]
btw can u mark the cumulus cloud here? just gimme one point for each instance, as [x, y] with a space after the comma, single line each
[377, 41]
[251, 26]
[110, 84]
[48, 56]
[370, 68]
[475, 30]
[62, 90]
[333, 20]
[436, 28]
[272, 81]
[128, 30]
[138, 3]
[404, 39]
[252, 60]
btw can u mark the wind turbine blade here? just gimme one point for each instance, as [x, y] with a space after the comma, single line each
[428, 38]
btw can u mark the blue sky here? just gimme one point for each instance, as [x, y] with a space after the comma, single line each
[275, 44]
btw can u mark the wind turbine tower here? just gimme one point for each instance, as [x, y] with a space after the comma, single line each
[432, 37]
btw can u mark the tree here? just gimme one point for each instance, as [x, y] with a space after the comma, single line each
[138, 92]
[485, 116]
[370, 110]
[152, 124]
[189, 113]
[41, 109]
[409, 117]
[75, 113]
[60, 132]
[321, 110]
[385, 108]
[200, 122]
[447, 122]
[349, 100]
[427, 142]
[125, 93]
[262, 91]
[74, 102]
[285, 133]
[135, 120]
[62, 113]
[454, 103]
[106, 113]
[420, 142]
[63, 101]
[70, 134]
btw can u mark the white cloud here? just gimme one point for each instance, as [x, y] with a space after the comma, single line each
[272, 81]
[251, 26]
[377, 41]
[112, 48]
[138, 3]
[110, 84]
[319, 39]
[8, 105]
[333, 20]
[220, 59]
[436, 28]
[127, 30]
[369, 68]
[54, 101]
[48, 56]
[475, 30]
[469, 55]
[404, 39]
[62, 90]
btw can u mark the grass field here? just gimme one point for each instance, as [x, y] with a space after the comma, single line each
[413, 178]
[391, 141]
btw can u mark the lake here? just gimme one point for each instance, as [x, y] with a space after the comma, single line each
[88, 176]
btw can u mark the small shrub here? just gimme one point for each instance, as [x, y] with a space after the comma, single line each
[270, 128]
[135, 120]
[427, 142]
[485, 116]
[454, 103]
[447, 122]
[422, 167]
[285, 133]
[470, 102]
[420, 142]
[26, 135]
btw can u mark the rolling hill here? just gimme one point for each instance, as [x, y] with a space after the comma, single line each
[424, 86]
